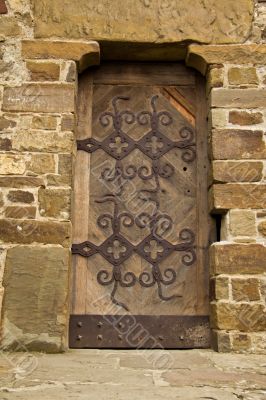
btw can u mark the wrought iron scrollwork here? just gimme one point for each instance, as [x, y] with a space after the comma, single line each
[154, 144]
[154, 248]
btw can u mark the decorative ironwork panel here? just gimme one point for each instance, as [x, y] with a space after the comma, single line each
[154, 248]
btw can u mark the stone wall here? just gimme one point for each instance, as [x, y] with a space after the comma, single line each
[41, 51]
[238, 263]
[236, 89]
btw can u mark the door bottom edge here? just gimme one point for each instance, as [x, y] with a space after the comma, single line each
[139, 331]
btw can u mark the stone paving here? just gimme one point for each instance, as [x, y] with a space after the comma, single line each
[134, 375]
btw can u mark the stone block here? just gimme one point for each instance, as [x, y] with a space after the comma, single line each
[243, 76]
[259, 344]
[241, 342]
[69, 73]
[6, 123]
[237, 171]
[246, 317]
[242, 223]
[245, 289]
[245, 118]
[20, 181]
[237, 259]
[11, 164]
[215, 78]
[65, 164]
[20, 196]
[148, 22]
[44, 122]
[224, 197]
[40, 97]
[27, 232]
[58, 180]
[238, 98]
[221, 341]
[219, 288]
[18, 212]
[43, 71]
[55, 203]
[64, 176]
[262, 228]
[9, 27]
[39, 277]
[41, 164]
[5, 144]
[217, 118]
[238, 144]
[51, 142]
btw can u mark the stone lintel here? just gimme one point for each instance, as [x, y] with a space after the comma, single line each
[201, 56]
[85, 53]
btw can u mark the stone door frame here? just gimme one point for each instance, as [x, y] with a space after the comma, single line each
[209, 60]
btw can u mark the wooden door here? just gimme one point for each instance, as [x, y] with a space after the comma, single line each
[141, 229]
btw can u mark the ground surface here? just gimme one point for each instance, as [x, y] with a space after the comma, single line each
[134, 375]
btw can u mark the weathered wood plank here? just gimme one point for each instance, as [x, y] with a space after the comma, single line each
[145, 74]
[81, 195]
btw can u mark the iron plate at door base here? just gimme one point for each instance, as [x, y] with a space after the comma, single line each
[139, 331]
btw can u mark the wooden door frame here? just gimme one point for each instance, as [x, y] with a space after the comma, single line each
[203, 194]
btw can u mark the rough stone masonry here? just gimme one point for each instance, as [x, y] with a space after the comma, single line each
[43, 46]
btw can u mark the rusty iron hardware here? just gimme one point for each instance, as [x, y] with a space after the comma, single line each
[154, 248]
[146, 279]
[154, 144]
[182, 332]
